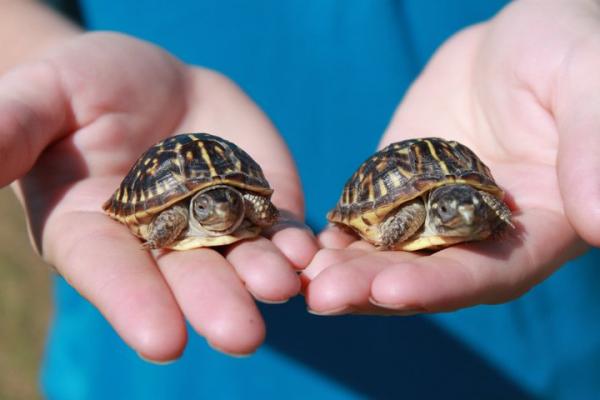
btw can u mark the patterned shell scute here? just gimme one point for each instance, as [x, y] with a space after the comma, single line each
[180, 166]
[405, 170]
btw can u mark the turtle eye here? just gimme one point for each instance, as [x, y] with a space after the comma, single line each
[201, 209]
[446, 212]
[231, 197]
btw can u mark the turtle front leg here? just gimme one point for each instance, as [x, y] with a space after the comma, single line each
[498, 207]
[402, 224]
[259, 210]
[166, 227]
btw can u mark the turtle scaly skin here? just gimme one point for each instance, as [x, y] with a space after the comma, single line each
[172, 174]
[422, 193]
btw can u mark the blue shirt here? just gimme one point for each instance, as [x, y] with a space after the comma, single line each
[329, 73]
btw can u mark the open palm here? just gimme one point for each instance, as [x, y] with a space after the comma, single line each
[71, 127]
[522, 92]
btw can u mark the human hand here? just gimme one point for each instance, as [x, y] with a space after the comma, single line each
[72, 125]
[523, 92]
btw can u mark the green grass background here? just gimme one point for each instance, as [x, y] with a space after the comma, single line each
[25, 305]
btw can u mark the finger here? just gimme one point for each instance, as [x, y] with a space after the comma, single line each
[344, 283]
[294, 239]
[489, 272]
[214, 300]
[298, 245]
[103, 262]
[253, 132]
[33, 113]
[334, 237]
[264, 269]
[578, 118]
[327, 257]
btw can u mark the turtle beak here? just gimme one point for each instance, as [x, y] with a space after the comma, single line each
[467, 212]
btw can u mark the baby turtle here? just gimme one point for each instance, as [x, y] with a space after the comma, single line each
[193, 190]
[422, 194]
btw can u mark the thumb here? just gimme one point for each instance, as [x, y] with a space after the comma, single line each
[577, 112]
[34, 112]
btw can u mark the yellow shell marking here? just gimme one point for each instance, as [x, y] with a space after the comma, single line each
[124, 196]
[405, 173]
[394, 178]
[189, 155]
[382, 188]
[152, 170]
[419, 158]
[371, 190]
[207, 159]
[404, 151]
[161, 188]
[434, 154]
[180, 164]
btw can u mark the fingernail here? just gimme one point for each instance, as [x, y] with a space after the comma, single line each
[332, 312]
[269, 301]
[404, 310]
[167, 362]
[234, 355]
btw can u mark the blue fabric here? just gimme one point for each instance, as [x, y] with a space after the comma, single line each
[330, 73]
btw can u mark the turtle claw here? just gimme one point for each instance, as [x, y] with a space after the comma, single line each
[149, 245]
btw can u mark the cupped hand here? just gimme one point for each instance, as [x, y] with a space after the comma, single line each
[71, 126]
[522, 91]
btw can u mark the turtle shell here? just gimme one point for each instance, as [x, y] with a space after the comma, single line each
[178, 167]
[403, 171]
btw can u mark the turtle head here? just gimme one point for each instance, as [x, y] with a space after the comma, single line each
[458, 210]
[219, 209]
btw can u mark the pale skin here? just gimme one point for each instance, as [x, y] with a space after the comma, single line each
[69, 136]
[522, 91]
[216, 211]
[455, 212]
[69, 133]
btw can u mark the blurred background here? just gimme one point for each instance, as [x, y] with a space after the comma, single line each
[25, 304]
